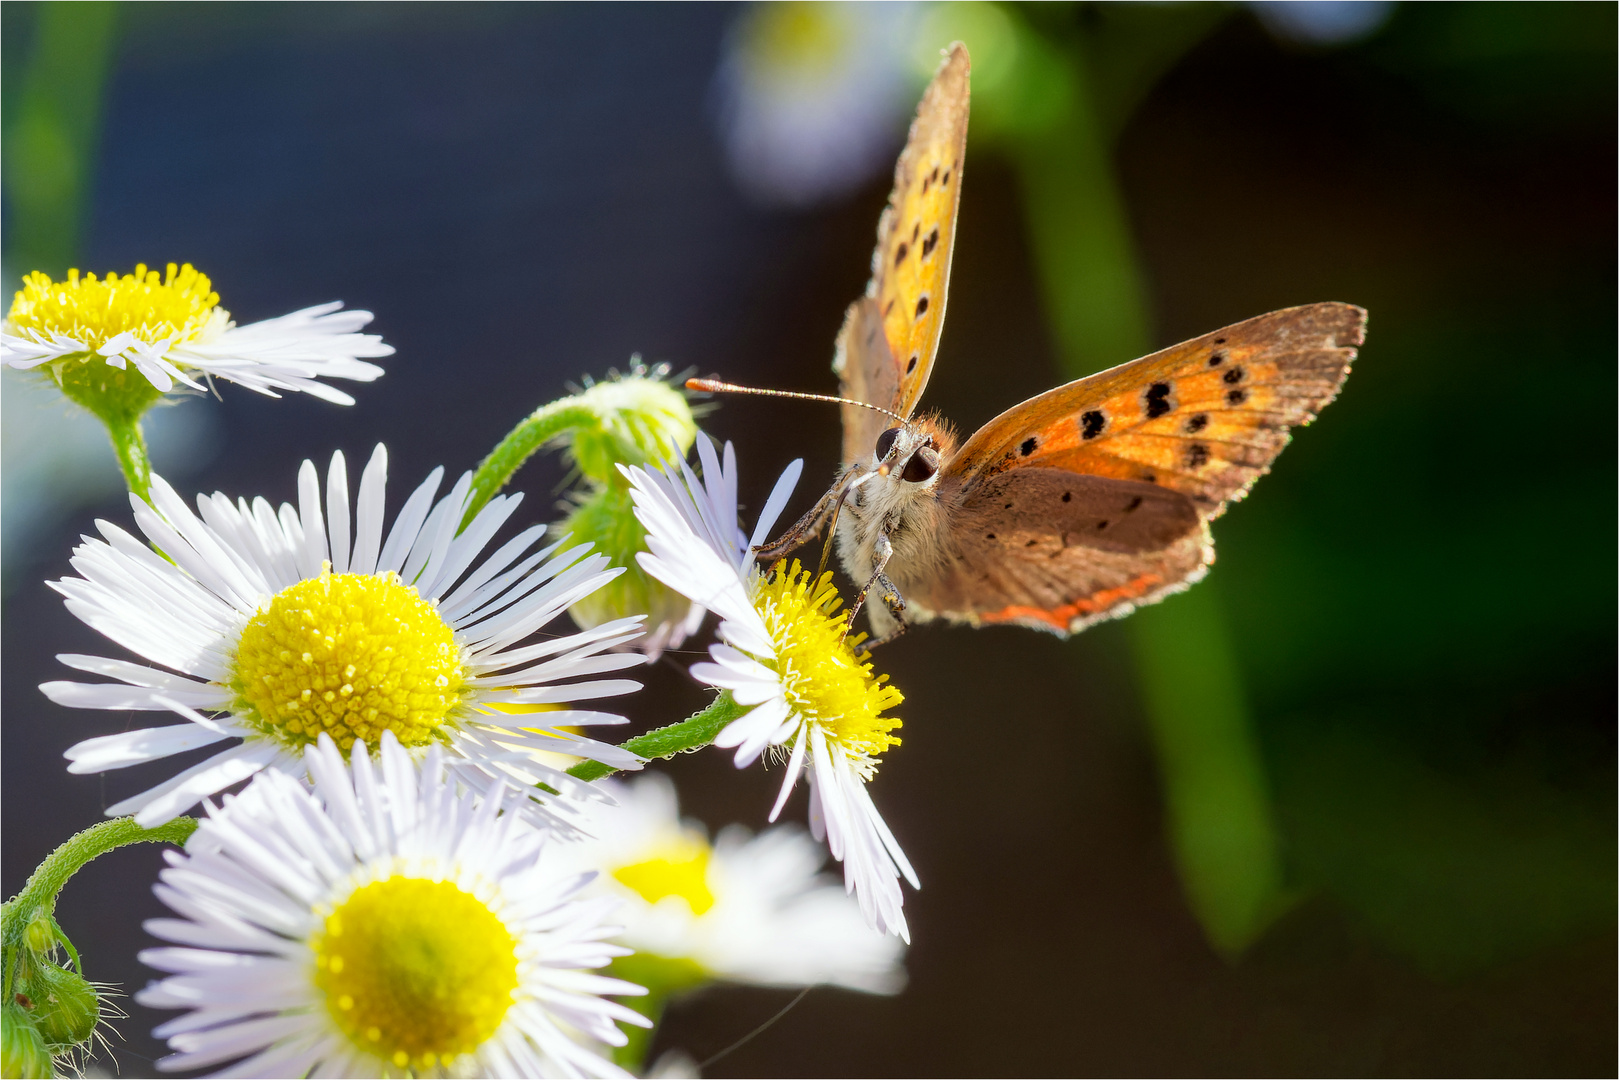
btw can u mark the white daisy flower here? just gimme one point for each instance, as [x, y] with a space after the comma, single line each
[782, 651]
[748, 909]
[172, 330]
[292, 625]
[385, 924]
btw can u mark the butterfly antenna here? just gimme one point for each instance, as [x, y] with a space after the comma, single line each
[714, 386]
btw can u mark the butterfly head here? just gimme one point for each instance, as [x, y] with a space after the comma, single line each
[914, 451]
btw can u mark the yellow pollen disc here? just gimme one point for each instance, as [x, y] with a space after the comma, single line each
[677, 869]
[825, 679]
[352, 655]
[178, 305]
[415, 971]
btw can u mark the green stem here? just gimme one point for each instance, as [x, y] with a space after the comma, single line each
[693, 733]
[39, 894]
[130, 445]
[539, 428]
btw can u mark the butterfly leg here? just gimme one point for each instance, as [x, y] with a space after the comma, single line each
[890, 594]
[805, 528]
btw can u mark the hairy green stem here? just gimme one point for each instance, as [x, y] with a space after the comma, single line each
[39, 894]
[537, 429]
[692, 733]
[129, 443]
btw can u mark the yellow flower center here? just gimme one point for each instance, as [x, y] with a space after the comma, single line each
[416, 972]
[678, 869]
[352, 655]
[179, 305]
[825, 679]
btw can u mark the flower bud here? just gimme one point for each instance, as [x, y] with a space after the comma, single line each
[66, 1006]
[40, 936]
[640, 420]
[22, 1050]
[606, 518]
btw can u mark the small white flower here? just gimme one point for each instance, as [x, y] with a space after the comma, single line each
[294, 625]
[382, 925]
[750, 909]
[172, 330]
[782, 653]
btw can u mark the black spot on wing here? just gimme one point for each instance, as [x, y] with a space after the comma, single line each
[903, 250]
[1234, 376]
[911, 365]
[1219, 341]
[931, 242]
[1196, 423]
[921, 305]
[1134, 505]
[1197, 456]
[1091, 424]
[1157, 400]
[945, 181]
[1236, 397]
[1028, 446]
[915, 231]
[1068, 496]
[1217, 359]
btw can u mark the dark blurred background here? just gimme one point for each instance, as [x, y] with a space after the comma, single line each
[1347, 808]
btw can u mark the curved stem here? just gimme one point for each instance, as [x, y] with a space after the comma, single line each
[39, 894]
[538, 428]
[130, 445]
[693, 733]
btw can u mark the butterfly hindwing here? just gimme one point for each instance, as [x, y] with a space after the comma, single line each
[1204, 418]
[1058, 550]
[868, 373]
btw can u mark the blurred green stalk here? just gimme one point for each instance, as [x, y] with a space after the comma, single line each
[1220, 823]
[50, 142]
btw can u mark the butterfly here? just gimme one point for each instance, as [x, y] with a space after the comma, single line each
[1080, 504]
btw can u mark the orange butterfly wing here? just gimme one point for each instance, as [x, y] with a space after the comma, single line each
[910, 268]
[1204, 418]
[1093, 498]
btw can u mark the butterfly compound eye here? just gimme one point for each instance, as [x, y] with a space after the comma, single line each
[923, 464]
[885, 442]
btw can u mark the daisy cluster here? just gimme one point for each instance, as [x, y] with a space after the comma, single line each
[407, 863]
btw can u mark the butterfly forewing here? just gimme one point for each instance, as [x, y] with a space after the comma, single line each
[1204, 418]
[910, 269]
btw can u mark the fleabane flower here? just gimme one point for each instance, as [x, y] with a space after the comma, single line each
[171, 329]
[387, 923]
[783, 653]
[289, 626]
[742, 908]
